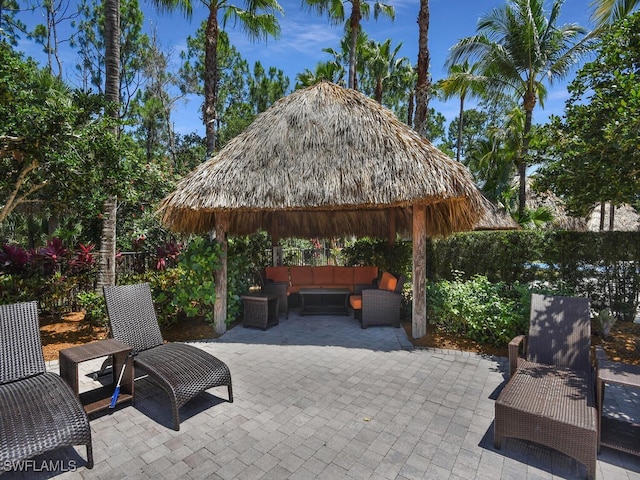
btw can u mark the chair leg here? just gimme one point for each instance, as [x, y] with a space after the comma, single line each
[176, 416]
[230, 389]
[89, 455]
[497, 439]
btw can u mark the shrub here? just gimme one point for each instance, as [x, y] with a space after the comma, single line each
[195, 292]
[486, 312]
[95, 310]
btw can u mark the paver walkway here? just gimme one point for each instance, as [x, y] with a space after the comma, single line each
[320, 398]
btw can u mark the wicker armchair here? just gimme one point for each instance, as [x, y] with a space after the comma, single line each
[379, 306]
[38, 411]
[550, 396]
[183, 371]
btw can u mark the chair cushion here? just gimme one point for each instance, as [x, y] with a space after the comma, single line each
[301, 275]
[388, 282]
[343, 276]
[277, 274]
[356, 302]
[364, 275]
[323, 275]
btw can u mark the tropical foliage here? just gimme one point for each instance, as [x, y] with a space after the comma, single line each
[592, 151]
[518, 46]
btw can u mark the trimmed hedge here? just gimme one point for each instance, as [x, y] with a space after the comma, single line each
[605, 266]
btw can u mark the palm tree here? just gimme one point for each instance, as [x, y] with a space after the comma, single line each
[423, 82]
[462, 80]
[331, 71]
[608, 11]
[107, 263]
[380, 63]
[258, 20]
[359, 9]
[516, 48]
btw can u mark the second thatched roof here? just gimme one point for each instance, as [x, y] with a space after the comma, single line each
[325, 161]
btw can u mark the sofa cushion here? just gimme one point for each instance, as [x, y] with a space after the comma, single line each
[343, 276]
[277, 274]
[356, 302]
[323, 275]
[364, 275]
[301, 275]
[388, 282]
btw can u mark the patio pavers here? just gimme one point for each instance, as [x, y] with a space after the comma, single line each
[319, 397]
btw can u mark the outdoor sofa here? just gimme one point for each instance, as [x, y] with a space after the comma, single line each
[285, 281]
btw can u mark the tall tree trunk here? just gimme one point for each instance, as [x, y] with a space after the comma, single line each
[460, 122]
[379, 91]
[107, 264]
[410, 107]
[211, 77]
[529, 105]
[354, 25]
[612, 216]
[423, 85]
[602, 204]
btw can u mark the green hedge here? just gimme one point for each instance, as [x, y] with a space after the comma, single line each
[605, 266]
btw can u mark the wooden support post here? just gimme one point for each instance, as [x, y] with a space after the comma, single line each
[276, 249]
[220, 276]
[392, 227]
[419, 318]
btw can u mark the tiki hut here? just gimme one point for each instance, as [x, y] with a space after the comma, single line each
[327, 161]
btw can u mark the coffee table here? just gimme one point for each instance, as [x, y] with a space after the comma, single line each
[324, 301]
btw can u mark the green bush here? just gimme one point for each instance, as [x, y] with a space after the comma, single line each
[486, 312]
[369, 251]
[95, 310]
[195, 291]
[163, 284]
[246, 256]
[603, 266]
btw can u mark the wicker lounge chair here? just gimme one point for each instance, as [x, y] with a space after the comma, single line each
[38, 411]
[183, 371]
[379, 306]
[550, 397]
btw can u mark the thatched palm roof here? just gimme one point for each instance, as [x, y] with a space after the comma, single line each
[625, 219]
[495, 218]
[325, 161]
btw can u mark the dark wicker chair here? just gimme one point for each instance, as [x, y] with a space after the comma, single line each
[550, 396]
[38, 411]
[183, 371]
[378, 306]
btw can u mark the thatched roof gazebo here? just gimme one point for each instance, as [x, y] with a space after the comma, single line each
[327, 161]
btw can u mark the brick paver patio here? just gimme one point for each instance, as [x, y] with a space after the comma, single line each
[320, 398]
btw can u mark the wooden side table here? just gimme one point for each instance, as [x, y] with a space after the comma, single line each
[99, 398]
[260, 310]
[613, 433]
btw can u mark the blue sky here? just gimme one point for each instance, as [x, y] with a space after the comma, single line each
[305, 34]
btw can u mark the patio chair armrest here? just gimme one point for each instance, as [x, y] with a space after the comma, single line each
[374, 292]
[515, 351]
[600, 354]
[359, 287]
